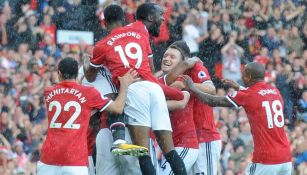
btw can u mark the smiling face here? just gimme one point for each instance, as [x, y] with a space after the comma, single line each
[171, 58]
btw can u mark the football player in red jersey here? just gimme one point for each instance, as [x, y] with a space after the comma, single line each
[264, 107]
[146, 105]
[208, 137]
[69, 107]
[184, 133]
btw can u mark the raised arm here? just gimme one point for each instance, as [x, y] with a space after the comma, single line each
[90, 72]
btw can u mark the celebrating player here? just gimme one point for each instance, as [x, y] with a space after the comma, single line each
[184, 133]
[69, 109]
[264, 107]
[146, 106]
[208, 137]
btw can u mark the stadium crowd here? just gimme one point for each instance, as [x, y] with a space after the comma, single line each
[225, 34]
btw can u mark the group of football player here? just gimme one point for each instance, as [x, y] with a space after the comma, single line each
[115, 107]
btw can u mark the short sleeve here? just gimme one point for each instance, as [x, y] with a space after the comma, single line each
[237, 98]
[97, 100]
[98, 57]
[200, 74]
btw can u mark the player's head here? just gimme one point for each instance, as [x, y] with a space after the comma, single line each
[67, 69]
[152, 16]
[175, 53]
[114, 16]
[252, 73]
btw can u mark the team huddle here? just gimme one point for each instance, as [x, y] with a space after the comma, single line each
[104, 117]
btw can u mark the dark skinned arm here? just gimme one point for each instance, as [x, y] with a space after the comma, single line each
[211, 100]
[90, 72]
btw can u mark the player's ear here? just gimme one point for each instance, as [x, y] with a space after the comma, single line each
[60, 77]
[150, 18]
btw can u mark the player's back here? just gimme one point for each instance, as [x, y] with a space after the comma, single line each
[264, 107]
[124, 48]
[69, 108]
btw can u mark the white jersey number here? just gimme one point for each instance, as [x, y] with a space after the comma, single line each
[133, 51]
[58, 109]
[277, 110]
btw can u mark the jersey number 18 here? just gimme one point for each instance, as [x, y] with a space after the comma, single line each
[274, 111]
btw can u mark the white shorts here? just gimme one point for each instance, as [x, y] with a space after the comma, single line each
[146, 106]
[91, 167]
[107, 163]
[188, 155]
[208, 158]
[44, 169]
[275, 169]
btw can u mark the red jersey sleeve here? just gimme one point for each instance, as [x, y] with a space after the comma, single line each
[237, 98]
[98, 57]
[97, 100]
[199, 73]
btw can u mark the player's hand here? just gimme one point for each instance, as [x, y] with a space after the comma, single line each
[192, 61]
[231, 84]
[189, 82]
[130, 77]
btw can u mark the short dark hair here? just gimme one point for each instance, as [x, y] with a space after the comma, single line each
[182, 47]
[68, 68]
[113, 13]
[145, 10]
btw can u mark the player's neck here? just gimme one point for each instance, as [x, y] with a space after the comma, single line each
[255, 81]
[113, 26]
[68, 80]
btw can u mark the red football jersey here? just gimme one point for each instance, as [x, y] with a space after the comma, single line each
[264, 107]
[69, 109]
[184, 133]
[203, 114]
[125, 48]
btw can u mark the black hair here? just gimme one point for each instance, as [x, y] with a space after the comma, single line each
[144, 11]
[113, 13]
[68, 68]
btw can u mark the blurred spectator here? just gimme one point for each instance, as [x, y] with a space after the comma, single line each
[295, 42]
[231, 56]
[191, 34]
[285, 84]
[302, 106]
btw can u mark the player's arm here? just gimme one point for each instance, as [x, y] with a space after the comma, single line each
[151, 63]
[211, 100]
[117, 106]
[175, 105]
[180, 69]
[206, 87]
[90, 71]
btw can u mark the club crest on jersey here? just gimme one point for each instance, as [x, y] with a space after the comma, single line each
[233, 94]
[202, 74]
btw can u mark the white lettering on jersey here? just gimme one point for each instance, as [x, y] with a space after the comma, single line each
[267, 92]
[122, 35]
[66, 91]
